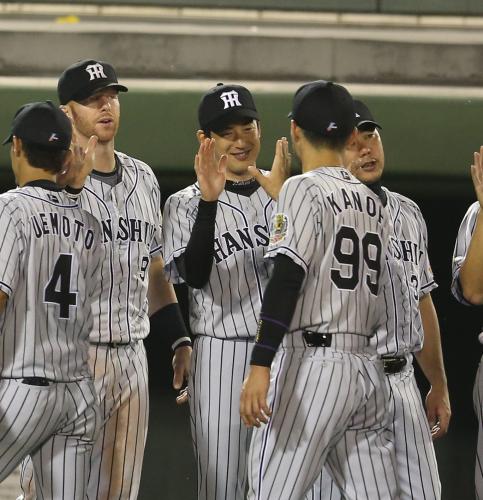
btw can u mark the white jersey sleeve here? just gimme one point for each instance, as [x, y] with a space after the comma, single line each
[156, 243]
[11, 248]
[295, 225]
[426, 278]
[179, 217]
[463, 240]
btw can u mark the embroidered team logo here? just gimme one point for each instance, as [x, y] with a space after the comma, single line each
[332, 126]
[230, 99]
[96, 71]
[278, 229]
[53, 137]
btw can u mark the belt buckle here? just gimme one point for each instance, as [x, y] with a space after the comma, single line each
[316, 339]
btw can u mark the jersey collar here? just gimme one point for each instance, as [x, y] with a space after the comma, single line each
[44, 184]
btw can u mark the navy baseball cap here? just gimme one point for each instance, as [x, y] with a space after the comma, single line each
[82, 79]
[364, 118]
[324, 108]
[223, 104]
[42, 124]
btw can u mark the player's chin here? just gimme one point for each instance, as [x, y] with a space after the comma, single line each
[369, 176]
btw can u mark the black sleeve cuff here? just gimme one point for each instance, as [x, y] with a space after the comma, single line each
[169, 322]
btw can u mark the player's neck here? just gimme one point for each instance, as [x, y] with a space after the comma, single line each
[316, 158]
[105, 160]
[27, 173]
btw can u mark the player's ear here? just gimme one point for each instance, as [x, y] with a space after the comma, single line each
[16, 145]
[259, 127]
[294, 131]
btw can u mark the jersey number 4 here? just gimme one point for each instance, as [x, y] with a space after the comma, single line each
[352, 251]
[57, 290]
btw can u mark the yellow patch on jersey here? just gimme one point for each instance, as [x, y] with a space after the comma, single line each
[278, 228]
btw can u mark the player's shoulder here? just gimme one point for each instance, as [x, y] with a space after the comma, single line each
[473, 209]
[135, 164]
[186, 195]
[402, 200]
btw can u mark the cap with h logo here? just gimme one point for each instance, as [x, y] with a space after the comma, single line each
[42, 124]
[82, 79]
[364, 118]
[225, 103]
[324, 108]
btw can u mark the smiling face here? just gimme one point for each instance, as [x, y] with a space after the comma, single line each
[240, 142]
[365, 160]
[98, 115]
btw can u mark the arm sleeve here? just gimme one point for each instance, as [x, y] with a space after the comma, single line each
[296, 222]
[463, 239]
[426, 278]
[194, 265]
[11, 249]
[156, 242]
[279, 301]
[178, 219]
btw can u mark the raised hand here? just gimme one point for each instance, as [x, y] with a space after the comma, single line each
[210, 172]
[79, 163]
[273, 181]
[477, 175]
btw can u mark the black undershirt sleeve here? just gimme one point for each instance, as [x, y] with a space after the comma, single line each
[194, 265]
[279, 301]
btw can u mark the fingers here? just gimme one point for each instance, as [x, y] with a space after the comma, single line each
[222, 164]
[254, 409]
[91, 145]
[253, 171]
[182, 397]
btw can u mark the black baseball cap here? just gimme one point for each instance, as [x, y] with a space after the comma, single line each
[80, 80]
[364, 118]
[42, 124]
[223, 104]
[324, 108]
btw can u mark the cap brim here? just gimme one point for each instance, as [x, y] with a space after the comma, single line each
[86, 93]
[7, 140]
[368, 122]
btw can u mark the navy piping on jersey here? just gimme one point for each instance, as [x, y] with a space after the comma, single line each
[74, 205]
[129, 254]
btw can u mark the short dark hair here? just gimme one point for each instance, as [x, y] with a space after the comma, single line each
[51, 160]
[319, 141]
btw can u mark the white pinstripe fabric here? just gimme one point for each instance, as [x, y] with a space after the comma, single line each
[310, 417]
[324, 399]
[130, 215]
[463, 240]
[220, 439]
[402, 334]
[57, 425]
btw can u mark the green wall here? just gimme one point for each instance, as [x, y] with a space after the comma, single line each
[422, 136]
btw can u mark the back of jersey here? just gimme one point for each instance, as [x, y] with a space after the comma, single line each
[50, 256]
[337, 230]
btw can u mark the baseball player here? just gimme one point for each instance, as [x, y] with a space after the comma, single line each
[215, 233]
[410, 308]
[328, 396]
[123, 194]
[467, 287]
[50, 259]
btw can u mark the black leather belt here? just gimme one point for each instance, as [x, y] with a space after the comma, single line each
[113, 345]
[394, 364]
[36, 381]
[316, 339]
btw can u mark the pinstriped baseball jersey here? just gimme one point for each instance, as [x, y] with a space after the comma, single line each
[463, 240]
[337, 230]
[408, 245]
[228, 305]
[130, 215]
[50, 257]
